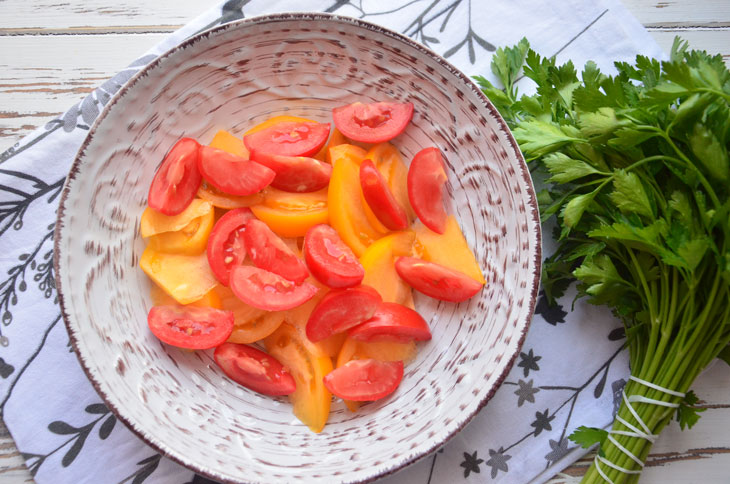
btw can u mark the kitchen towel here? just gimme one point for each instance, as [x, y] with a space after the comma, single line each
[570, 371]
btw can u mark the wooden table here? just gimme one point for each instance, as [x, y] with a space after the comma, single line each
[54, 53]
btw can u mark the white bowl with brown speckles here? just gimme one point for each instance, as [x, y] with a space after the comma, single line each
[231, 77]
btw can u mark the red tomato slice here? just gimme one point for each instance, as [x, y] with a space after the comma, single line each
[265, 290]
[269, 252]
[365, 380]
[374, 122]
[435, 280]
[226, 246]
[392, 322]
[426, 179]
[191, 327]
[232, 174]
[177, 179]
[296, 173]
[254, 369]
[340, 310]
[380, 199]
[288, 139]
[330, 260]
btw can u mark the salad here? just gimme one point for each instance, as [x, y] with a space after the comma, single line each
[293, 252]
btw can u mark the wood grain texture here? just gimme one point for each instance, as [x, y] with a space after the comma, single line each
[52, 52]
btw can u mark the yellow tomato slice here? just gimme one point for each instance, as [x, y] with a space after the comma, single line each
[390, 164]
[250, 324]
[223, 200]
[292, 214]
[379, 350]
[348, 214]
[311, 400]
[190, 240]
[154, 222]
[276, 120]
[223, 140]
[448, 249]
[379, 264]
[209, 300]
[186, 278]
[336, 138]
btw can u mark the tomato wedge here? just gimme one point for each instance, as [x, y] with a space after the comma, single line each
[426, 179]
[340, 310]
[190, 327]
[329, 259]
[392, 322]
[365, 380]
[380, 198]
[288, 139]
[254, 369]
[296, 173]
[265, 290]
[269, 252]
[373, 122]
[226, 245]
[177, 179]
[435, 280]
[232, 174]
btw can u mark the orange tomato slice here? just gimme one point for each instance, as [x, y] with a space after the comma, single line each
[380, 350]
[311, 400]
[449, 249]
[390, 164]
[250, 324]
[292, 214]
[348, 212]
[186, 278]
[223, 140]
[379, 264]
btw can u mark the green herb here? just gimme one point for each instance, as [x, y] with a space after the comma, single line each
[636, 174]
[587, 437]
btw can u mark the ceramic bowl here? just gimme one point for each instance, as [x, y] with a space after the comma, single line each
[232, 77]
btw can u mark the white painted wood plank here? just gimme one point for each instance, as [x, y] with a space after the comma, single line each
[714, 41]
[42, 76]
[680, 12]
[52, 14]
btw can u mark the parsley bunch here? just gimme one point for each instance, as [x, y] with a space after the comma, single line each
[637, 176]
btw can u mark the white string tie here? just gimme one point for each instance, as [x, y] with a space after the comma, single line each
[643, 433]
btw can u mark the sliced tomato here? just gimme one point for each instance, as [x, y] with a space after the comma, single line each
[265, 290]
[226, 245]
[232, 174]
[340, 310]
[329, 259]
[177, 179]
[365, 380]
[288, 139]
[436, 280]
[254, 369]
[298, 174]
[269, 252]
[224, 200]
[380, 198]
[311, 400]
[426, 180]
[292, 214]
[392, 322]
[373, 122]
[190, 327]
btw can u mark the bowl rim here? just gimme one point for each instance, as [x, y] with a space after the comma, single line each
[74, 171]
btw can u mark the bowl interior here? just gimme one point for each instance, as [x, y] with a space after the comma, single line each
[231, 78]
